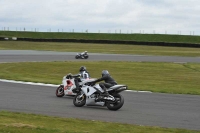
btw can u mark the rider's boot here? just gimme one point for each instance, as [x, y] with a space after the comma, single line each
[105, 93]
[77, 84]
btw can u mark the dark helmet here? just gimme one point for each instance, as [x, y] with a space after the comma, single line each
[105, 72]
[82, 68]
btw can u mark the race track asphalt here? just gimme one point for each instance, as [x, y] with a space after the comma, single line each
[140, 108]
[30, 55]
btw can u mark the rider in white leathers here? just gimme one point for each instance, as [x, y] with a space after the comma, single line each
[84, 74]
[83, 53]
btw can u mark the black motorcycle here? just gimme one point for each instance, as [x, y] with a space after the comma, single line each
[79, 56]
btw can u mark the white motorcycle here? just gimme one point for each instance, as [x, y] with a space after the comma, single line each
[90, 94]
[67, 86]
[79, 56]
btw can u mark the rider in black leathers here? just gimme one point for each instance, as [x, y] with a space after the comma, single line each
[109, 82]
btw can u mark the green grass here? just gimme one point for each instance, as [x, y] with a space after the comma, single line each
[101, 48]
[156, 77]
[30, 123]
[105, 36]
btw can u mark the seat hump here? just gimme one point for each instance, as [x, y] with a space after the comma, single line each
[117, 86]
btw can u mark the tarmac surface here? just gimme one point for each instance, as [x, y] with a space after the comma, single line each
[140, 108]
[31, 55]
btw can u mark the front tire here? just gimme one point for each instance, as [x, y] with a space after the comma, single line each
[79, 101]
[86, 57]
[117, 104]
[60, 91]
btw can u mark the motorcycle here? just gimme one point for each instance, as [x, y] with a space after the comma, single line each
[68, 85]
[79, 56]
[90, 94]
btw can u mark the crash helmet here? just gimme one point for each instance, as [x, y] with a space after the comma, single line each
[85, 52]
[105, 72]
[82, 68]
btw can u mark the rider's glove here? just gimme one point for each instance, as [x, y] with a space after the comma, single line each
[69, 75]
[93, 82]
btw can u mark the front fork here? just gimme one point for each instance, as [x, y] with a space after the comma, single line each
[81, 96]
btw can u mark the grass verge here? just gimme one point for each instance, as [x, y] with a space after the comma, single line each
[30, 123]
[105, 36]
[143, 76]
[101, 48]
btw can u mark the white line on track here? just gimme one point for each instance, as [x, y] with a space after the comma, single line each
[50, 85]
[28, 83]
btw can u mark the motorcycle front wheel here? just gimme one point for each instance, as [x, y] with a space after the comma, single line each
[86, 56]
[79, 100]
[117, 104]
[60, 91]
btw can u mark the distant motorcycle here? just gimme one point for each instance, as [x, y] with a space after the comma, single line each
[81, 56]
[90, 94]
[67, 86]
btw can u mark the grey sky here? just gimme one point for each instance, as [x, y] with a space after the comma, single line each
[109, 16]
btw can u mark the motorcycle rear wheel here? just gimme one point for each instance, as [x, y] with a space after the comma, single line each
[76, 56]
[60, 91]
[79, 101]
[117, 104]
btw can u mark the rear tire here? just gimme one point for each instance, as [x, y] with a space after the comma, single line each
[118, 104]
[60, 91]
[76, 56]
[79, 101]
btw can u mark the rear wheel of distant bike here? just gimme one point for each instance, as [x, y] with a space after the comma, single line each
[76, 56]
[60, 91]
[79, 100]
[117, 104]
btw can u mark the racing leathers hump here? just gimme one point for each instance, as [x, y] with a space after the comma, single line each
[107, 79]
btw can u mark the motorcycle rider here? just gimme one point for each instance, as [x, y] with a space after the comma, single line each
[84, 74]
[83, 53]
[109, 82]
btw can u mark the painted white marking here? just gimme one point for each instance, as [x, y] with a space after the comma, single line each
[139, 91]
[28, 83]
[49, 85]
